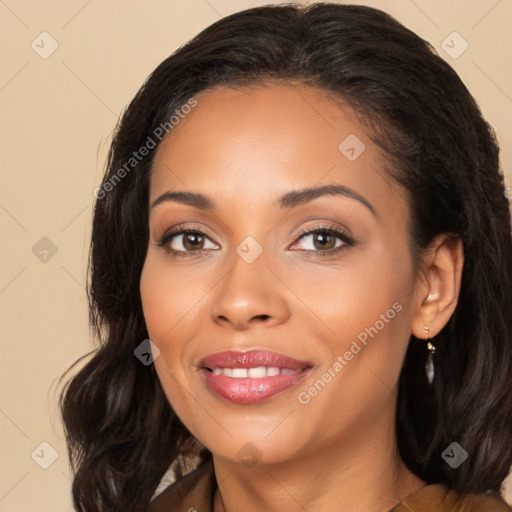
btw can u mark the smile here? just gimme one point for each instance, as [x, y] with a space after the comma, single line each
[250, 377]
[256, 373]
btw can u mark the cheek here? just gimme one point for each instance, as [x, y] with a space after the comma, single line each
[361, 295]
[164, 304]
[369, 313]
[357, 383]
[168, 297]
[155, 304]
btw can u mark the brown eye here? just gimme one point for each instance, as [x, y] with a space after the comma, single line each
[192, 241]
[186, 241]
[323, 240]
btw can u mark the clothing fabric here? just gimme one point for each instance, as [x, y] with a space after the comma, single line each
[195, 493]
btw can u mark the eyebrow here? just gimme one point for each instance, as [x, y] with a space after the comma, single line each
[289, 200]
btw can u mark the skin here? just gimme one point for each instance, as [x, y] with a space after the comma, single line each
[245, 148]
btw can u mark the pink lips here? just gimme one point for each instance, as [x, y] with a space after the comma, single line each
[246, 389]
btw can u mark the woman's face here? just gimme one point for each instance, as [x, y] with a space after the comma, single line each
[265, 276]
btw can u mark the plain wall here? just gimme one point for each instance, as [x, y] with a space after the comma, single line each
[57, 117]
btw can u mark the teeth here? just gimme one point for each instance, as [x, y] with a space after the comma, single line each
[257, 372]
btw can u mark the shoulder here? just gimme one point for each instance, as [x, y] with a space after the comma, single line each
[195, 490]
[440, 498]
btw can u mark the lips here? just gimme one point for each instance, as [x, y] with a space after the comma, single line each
[253, 376]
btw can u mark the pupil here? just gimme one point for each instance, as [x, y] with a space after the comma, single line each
[193, 240]
[323, 239]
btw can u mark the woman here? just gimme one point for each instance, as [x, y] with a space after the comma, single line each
[303, 211]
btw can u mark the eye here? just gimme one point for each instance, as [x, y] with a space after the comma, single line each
[323, 239]
[184, 241]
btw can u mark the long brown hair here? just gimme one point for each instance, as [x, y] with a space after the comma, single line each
[122, 433]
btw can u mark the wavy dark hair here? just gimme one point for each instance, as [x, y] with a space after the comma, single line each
[122, 433]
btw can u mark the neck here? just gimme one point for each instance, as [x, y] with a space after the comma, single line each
[362, 474]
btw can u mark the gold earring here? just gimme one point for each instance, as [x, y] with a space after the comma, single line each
[429, 367]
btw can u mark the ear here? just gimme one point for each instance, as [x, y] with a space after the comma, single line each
[438, 286]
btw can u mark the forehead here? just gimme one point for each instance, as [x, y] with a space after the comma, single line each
[265, 140]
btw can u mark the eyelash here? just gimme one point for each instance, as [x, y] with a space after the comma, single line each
[322, 229]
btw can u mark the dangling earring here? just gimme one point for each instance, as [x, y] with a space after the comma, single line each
[429, 367]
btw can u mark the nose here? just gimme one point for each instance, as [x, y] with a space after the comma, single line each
[249, 294]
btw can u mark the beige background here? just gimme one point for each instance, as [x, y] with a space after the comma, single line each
[57, 117]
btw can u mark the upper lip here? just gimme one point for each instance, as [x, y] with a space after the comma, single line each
[251, 359]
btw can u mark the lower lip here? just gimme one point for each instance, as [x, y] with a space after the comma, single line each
[249, 390]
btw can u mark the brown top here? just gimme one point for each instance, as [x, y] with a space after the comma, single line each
[196, 490]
